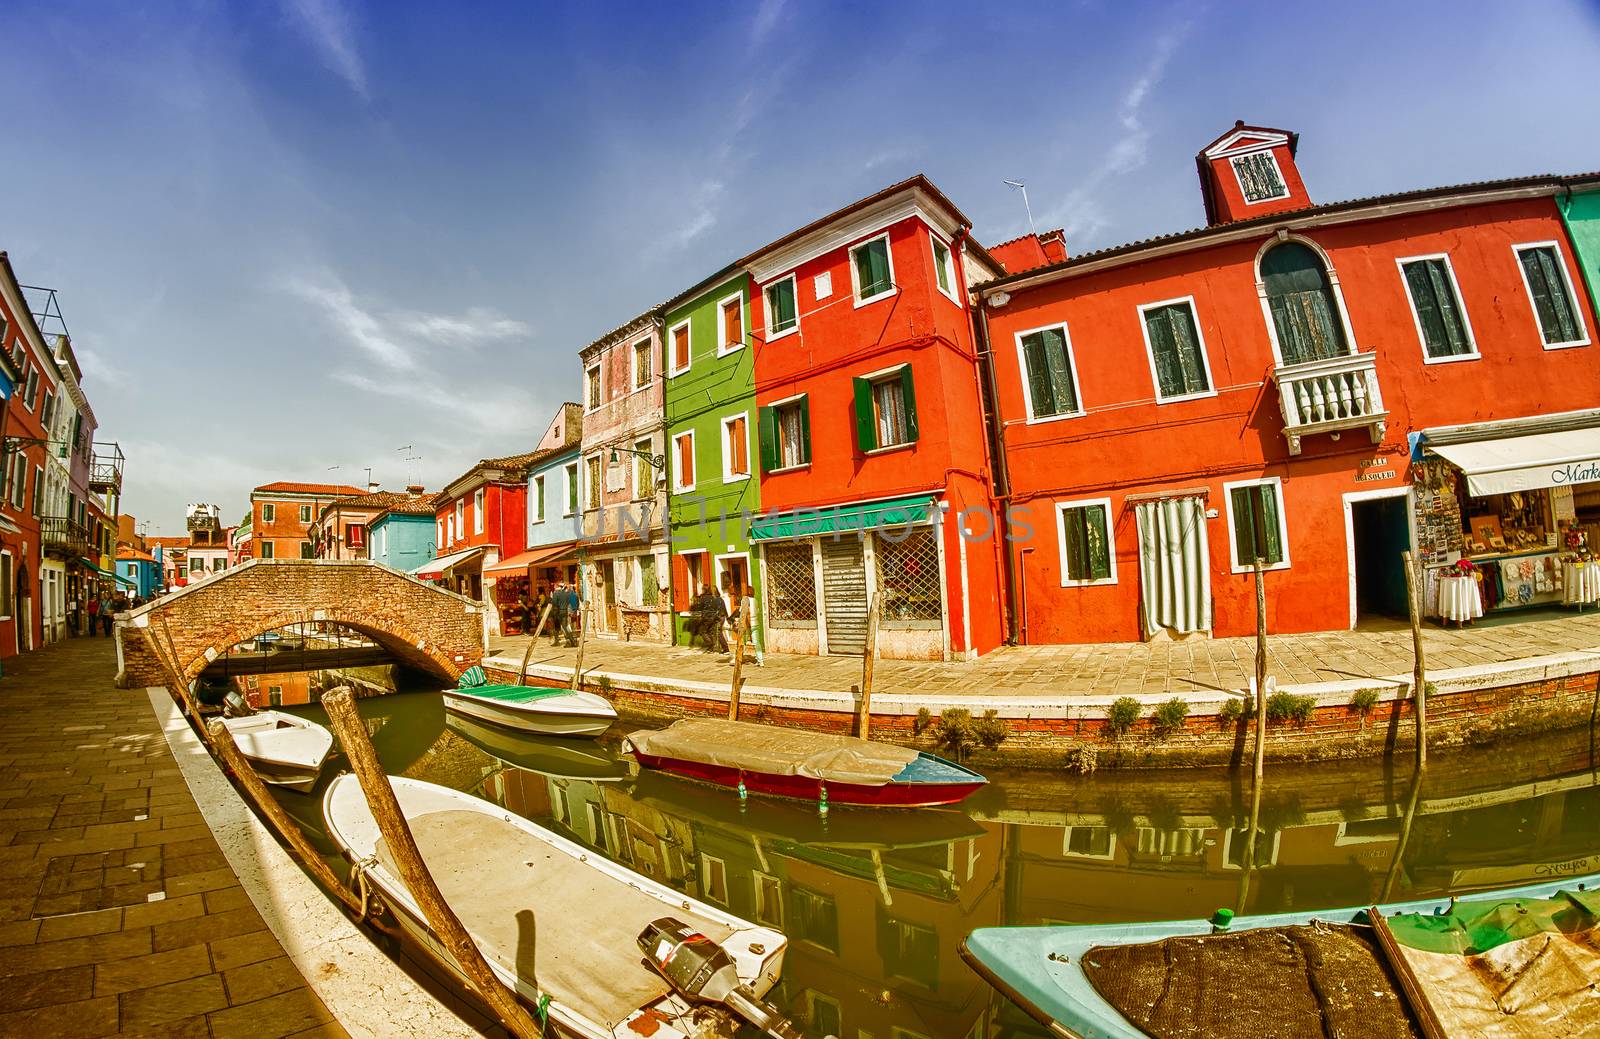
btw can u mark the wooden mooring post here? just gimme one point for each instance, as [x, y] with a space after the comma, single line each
[533, 639]
[346, 720]
[583, 635]
[1261, 673]
[1419, 675]
[868, 656]
[741, 634]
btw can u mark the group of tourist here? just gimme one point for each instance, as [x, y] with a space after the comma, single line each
[564, 606]
[101, 609]
[716, 616]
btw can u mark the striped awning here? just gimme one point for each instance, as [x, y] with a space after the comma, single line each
[840, 519]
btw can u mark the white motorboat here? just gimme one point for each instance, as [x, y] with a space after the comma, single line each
[547, 712]
[286, 750]
[553, 919]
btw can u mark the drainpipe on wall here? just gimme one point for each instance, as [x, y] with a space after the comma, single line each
[1012, 600]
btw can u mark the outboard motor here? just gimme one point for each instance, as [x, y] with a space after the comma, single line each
[235, 706]
[701, 971]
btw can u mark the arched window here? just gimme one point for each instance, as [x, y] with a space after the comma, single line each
[1303, 306]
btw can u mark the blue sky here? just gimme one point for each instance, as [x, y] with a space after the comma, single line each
[297, 235]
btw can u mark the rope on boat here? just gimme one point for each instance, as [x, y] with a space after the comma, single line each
[363, 884]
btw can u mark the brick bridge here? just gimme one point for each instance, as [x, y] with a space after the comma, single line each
[423, 626]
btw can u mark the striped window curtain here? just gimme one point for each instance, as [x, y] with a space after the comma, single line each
[1174, 566]
[891, 407]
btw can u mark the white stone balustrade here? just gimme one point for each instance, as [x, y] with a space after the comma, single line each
[1329, 395]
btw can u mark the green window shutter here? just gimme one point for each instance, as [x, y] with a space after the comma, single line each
[1444, 297]
[1064, 397]
[1420, 284]
[787, 301]
[1072, 528]
[1556, 288]
[909, 392]
[866, 424]
[872, 267]
[1268, 496]
[1038, 375]
[1549, 295]
[781, 305]
[1244, 531]
[805, 430]
[1158, 323]
[1098, 542]
[1186, 343]
[767, 435]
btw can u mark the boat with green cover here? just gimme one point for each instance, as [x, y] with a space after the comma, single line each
[1512, 964]
[536, 709]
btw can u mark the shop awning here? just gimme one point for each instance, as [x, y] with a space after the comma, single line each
[109, 575]
[519, 563]
[438, 567]
[1524, 463]
[838, 519]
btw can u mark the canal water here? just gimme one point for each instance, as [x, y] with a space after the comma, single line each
[876, 902]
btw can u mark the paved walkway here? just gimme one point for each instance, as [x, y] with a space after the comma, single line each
[1115, 669]
[118, 913]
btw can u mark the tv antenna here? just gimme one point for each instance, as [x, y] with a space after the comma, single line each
[1018, 185]
[411, 469]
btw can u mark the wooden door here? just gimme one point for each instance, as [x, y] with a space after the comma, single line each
[844, 595]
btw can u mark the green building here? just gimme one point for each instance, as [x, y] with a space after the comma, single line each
[1580, 208]
[712, 477]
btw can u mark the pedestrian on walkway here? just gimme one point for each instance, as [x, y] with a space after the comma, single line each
[712, 613]
[94, 615]
[558, 613]
[747, 616]
[105, 615]
[574, 615]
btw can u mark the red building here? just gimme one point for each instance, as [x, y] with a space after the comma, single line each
[482, 517]
[282, 515]
[23, 439]
[1315, 383]
[872, 432]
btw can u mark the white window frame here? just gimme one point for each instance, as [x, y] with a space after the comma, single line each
[458, 520]
[766, 307]
[677, 471]
[1150, 351]
[777, 406]
[938, 243]
[686, 553]
[855, 274]
[572, 503]
[1283, 524]
[724, 349]
[813, 997]
[1227, 849]
[1233, 164]
[722, 446]
[589, 486]
[633, 366]
[1111, 846]
[1572, 297]
[269, 512]
[757, 902]
[727, 889]
[1061, 508]
[307, 514]
[1072, 366]
[1461, 305]
[479, 498]
[873, 379]
[641, 462]
[1351, 346]
[439, 534]
[600, 388]
[538, 497]
[673, 371]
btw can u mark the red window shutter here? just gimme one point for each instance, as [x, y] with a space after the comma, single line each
[741, 447]
[680, 348]
[680, 584]
[732, 327]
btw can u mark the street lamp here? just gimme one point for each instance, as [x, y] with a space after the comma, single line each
[656, 461]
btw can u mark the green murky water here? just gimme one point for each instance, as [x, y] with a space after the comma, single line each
[875, 903]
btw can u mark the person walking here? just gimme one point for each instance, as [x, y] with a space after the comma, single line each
[747, 616]
[558, 613]
[713, 614]
[94, 615]
[105, 615]
[574, 615]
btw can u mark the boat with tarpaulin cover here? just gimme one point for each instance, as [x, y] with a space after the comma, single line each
[811, 766]
[1519, 963]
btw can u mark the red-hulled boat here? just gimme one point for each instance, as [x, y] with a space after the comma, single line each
[809, 766]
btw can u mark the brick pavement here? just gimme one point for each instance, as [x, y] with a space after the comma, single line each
[1100, 670]
[118, 913]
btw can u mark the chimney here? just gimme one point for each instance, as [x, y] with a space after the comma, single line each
[415, 490]
[372, 486]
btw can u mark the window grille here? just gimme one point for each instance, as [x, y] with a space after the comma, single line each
[791, 586]
[908, 577]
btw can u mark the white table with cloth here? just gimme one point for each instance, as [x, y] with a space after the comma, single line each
[1458, 598]
[1580, 583]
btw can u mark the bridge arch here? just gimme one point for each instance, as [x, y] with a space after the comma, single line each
[423, 626]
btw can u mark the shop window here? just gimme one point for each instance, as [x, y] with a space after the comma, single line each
[909, 588]
[1259, 177]
[872, 269]
[1049, 373]
[735, 447]
[944, 268]
[538, 499]
[1177, 353]
[683, 459]
[782, 314]
[909, 950]
[885, 410]
[730, 313]
[1436, 305]
[641, 364]
[813, 917]
[1305, 314]
[790, 586]
[1545, 276]
[678, 336]
[1085, 542]
[785, 435]
[594, 482]
[1255, 518]
[572, 489]
[591, 388]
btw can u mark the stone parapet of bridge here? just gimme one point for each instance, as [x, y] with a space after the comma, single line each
[425, 627]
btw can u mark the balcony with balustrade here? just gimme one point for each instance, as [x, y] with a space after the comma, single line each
[1329, 395]
[105, 468]
[60, 536]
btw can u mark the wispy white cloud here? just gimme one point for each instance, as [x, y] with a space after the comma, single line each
[330, 29]
[703, 208]
[359, 325]
[477, 325]
[479, 407]
[768, 13]
[99, 371]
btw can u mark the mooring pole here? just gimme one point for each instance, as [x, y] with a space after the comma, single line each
[868, 655]
[175, 682]
[533, 639]
[1406, 819]
[300, 849]
[1261, 673]
[1419, 676]
[583, 635]
[741, 632]
[346, 720]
